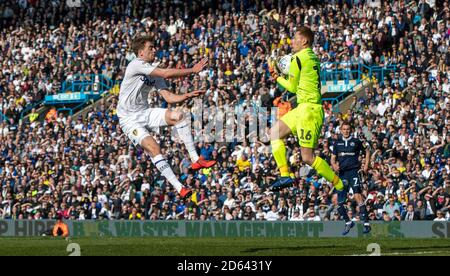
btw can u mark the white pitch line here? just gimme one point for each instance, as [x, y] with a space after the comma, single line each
[417, 253]
[403, 253]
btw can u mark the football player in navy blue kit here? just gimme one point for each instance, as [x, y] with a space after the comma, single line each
[345, 161]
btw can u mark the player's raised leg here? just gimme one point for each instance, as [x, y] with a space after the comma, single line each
[278, 132]
[309, 126]
[150, 146]
[322, 168]
[183, 126]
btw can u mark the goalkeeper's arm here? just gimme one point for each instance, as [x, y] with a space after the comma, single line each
[291, 83]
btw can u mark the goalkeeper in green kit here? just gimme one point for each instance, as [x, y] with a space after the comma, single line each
[306, 120]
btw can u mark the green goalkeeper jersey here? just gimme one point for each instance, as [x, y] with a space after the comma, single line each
[304, 77]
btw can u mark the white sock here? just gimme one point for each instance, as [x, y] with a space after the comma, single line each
[184, 131]
[162, 165]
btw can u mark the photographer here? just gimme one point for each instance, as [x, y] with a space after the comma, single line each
[60, 229]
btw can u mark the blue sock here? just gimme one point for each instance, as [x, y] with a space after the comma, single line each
[343, 212]
[363, 213]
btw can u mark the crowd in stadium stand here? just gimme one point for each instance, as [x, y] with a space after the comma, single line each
[85, 167]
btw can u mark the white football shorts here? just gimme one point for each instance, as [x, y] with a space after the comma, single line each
[136, 126]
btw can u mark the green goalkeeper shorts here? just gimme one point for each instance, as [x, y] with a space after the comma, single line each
[306, 122]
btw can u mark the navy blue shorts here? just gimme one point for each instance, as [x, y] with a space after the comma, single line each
[353, 181]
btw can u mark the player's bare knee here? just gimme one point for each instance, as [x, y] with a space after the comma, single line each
[274, 134]
[179, 116]
[175, 117]
[308, 158]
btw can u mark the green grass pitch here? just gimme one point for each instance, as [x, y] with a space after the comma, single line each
[223, 246]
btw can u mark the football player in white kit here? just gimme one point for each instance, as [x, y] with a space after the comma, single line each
[136, 116]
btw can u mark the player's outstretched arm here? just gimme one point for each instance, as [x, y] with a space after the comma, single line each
[175, 73]
[172, 98]
[367, 161]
